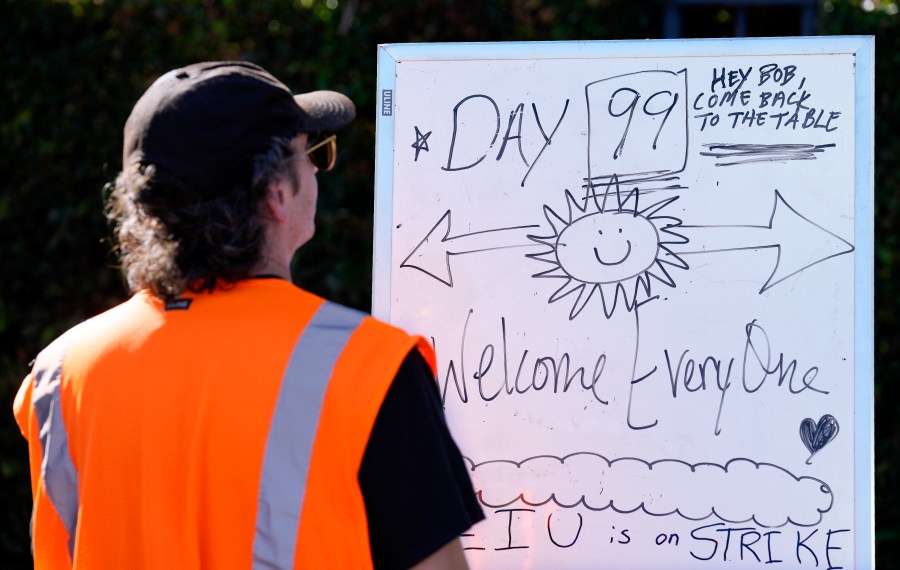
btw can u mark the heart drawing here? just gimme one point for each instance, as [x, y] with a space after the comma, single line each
[815, 436]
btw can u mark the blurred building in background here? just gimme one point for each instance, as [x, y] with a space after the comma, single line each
[738, 18]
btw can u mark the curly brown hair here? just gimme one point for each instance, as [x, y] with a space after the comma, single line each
[170, 237]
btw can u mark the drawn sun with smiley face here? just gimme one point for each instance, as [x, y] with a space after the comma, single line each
[614, 251]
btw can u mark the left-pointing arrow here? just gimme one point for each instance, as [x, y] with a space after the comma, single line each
[432, 255]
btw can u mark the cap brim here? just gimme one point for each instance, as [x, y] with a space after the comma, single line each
[327, 110]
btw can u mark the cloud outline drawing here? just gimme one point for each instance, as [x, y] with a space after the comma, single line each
[740, 491]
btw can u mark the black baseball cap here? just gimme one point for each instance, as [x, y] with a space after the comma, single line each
[204, 123]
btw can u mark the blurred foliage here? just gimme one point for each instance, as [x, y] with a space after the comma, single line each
[73, 69]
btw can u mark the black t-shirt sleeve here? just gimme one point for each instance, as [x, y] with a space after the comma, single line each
[414, 481]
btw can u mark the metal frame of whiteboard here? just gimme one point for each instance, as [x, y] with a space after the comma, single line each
[862, 47]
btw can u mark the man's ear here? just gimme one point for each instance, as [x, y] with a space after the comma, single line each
[276, 200]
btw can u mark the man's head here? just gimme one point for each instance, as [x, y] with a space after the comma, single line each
[203, 146]
[204, 123]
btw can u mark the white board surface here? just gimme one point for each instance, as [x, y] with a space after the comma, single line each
[647, 271]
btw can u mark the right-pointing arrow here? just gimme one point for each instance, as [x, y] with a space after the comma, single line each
[800, 242]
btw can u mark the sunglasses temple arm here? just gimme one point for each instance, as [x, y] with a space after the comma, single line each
[321, 144]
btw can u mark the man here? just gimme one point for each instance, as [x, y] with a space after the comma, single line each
[222, 417]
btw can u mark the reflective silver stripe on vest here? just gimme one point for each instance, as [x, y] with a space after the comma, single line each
[293, 431]
[57, 470]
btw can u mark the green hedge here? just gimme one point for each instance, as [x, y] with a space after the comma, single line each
[72, 69]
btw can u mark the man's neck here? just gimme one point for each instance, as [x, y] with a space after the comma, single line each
[272, 267]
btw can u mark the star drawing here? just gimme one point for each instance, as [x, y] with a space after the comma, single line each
[421, 142]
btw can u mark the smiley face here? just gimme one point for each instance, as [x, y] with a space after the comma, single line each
[607, 247]
[612, 255]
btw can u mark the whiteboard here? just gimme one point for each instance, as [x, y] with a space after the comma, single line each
[646, 267]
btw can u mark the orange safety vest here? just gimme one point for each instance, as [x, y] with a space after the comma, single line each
[225, 432]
